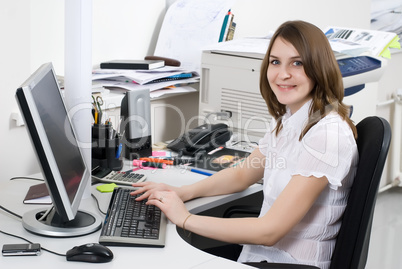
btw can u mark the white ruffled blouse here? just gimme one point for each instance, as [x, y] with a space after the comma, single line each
[328, 149]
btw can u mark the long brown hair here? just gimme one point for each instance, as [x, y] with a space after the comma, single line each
[320, 66]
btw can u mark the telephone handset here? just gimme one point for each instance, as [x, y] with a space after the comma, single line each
[201, 139]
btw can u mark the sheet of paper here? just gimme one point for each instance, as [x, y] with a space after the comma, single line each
[249, 47]
[140, 77]
[159, 93]
[188, 27]
[151, 86]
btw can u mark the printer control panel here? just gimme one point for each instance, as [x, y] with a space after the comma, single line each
[357, 65]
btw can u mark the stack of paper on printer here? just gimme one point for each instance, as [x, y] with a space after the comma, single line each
[354, 42]
[175, 79]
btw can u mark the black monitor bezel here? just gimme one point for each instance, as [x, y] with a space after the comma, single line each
[66, 210]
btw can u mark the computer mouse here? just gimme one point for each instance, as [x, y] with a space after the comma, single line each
[93, 252]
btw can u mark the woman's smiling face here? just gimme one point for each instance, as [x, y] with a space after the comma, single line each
[286, 76]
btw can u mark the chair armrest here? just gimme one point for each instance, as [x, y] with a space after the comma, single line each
[242, 209]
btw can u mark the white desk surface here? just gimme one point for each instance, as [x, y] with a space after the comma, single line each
[176, 254]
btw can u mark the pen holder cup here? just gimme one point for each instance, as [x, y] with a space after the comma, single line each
[106, 147]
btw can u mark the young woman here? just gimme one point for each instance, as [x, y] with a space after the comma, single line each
[305, 194]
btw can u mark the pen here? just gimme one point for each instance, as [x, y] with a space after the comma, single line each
[200, 172]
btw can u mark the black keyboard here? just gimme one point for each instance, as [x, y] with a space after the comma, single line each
[132, 223]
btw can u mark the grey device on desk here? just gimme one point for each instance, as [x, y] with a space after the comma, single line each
[21, 249]
[61, 160]
[135, 127]
[106, 175]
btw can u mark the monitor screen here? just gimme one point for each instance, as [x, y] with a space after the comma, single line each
[53, 137]
[59, 133]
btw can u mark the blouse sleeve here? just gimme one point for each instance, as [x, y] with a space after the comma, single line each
[328, 149]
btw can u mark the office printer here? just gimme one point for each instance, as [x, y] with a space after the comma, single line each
[230, 83]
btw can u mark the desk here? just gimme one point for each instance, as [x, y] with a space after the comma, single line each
[176, 254]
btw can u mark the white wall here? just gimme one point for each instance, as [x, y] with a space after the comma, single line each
[258, 17]
[15, 68]
[33, 33]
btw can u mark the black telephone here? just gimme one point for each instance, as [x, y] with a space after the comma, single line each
[201, 139]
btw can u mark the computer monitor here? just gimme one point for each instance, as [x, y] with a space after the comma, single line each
[61, 160]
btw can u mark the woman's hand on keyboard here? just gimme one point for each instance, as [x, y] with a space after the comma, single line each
[170, 204]
[148, 188]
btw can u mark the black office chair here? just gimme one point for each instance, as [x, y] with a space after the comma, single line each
[351, 249]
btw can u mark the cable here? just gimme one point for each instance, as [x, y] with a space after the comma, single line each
[30, 242]
[44, 216]
[97, 203]
[13, 235]
[242, 141]
[32, 178]
[10, 212]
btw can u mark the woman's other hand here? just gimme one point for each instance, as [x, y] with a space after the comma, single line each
[170, 204]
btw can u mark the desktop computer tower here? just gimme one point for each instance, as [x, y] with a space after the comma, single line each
[135, 127]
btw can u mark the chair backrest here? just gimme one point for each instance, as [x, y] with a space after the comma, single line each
[374, 137]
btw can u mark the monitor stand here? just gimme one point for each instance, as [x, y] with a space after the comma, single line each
[83, 223]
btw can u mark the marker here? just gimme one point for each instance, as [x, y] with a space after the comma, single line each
[201, 172]
[119, 151]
